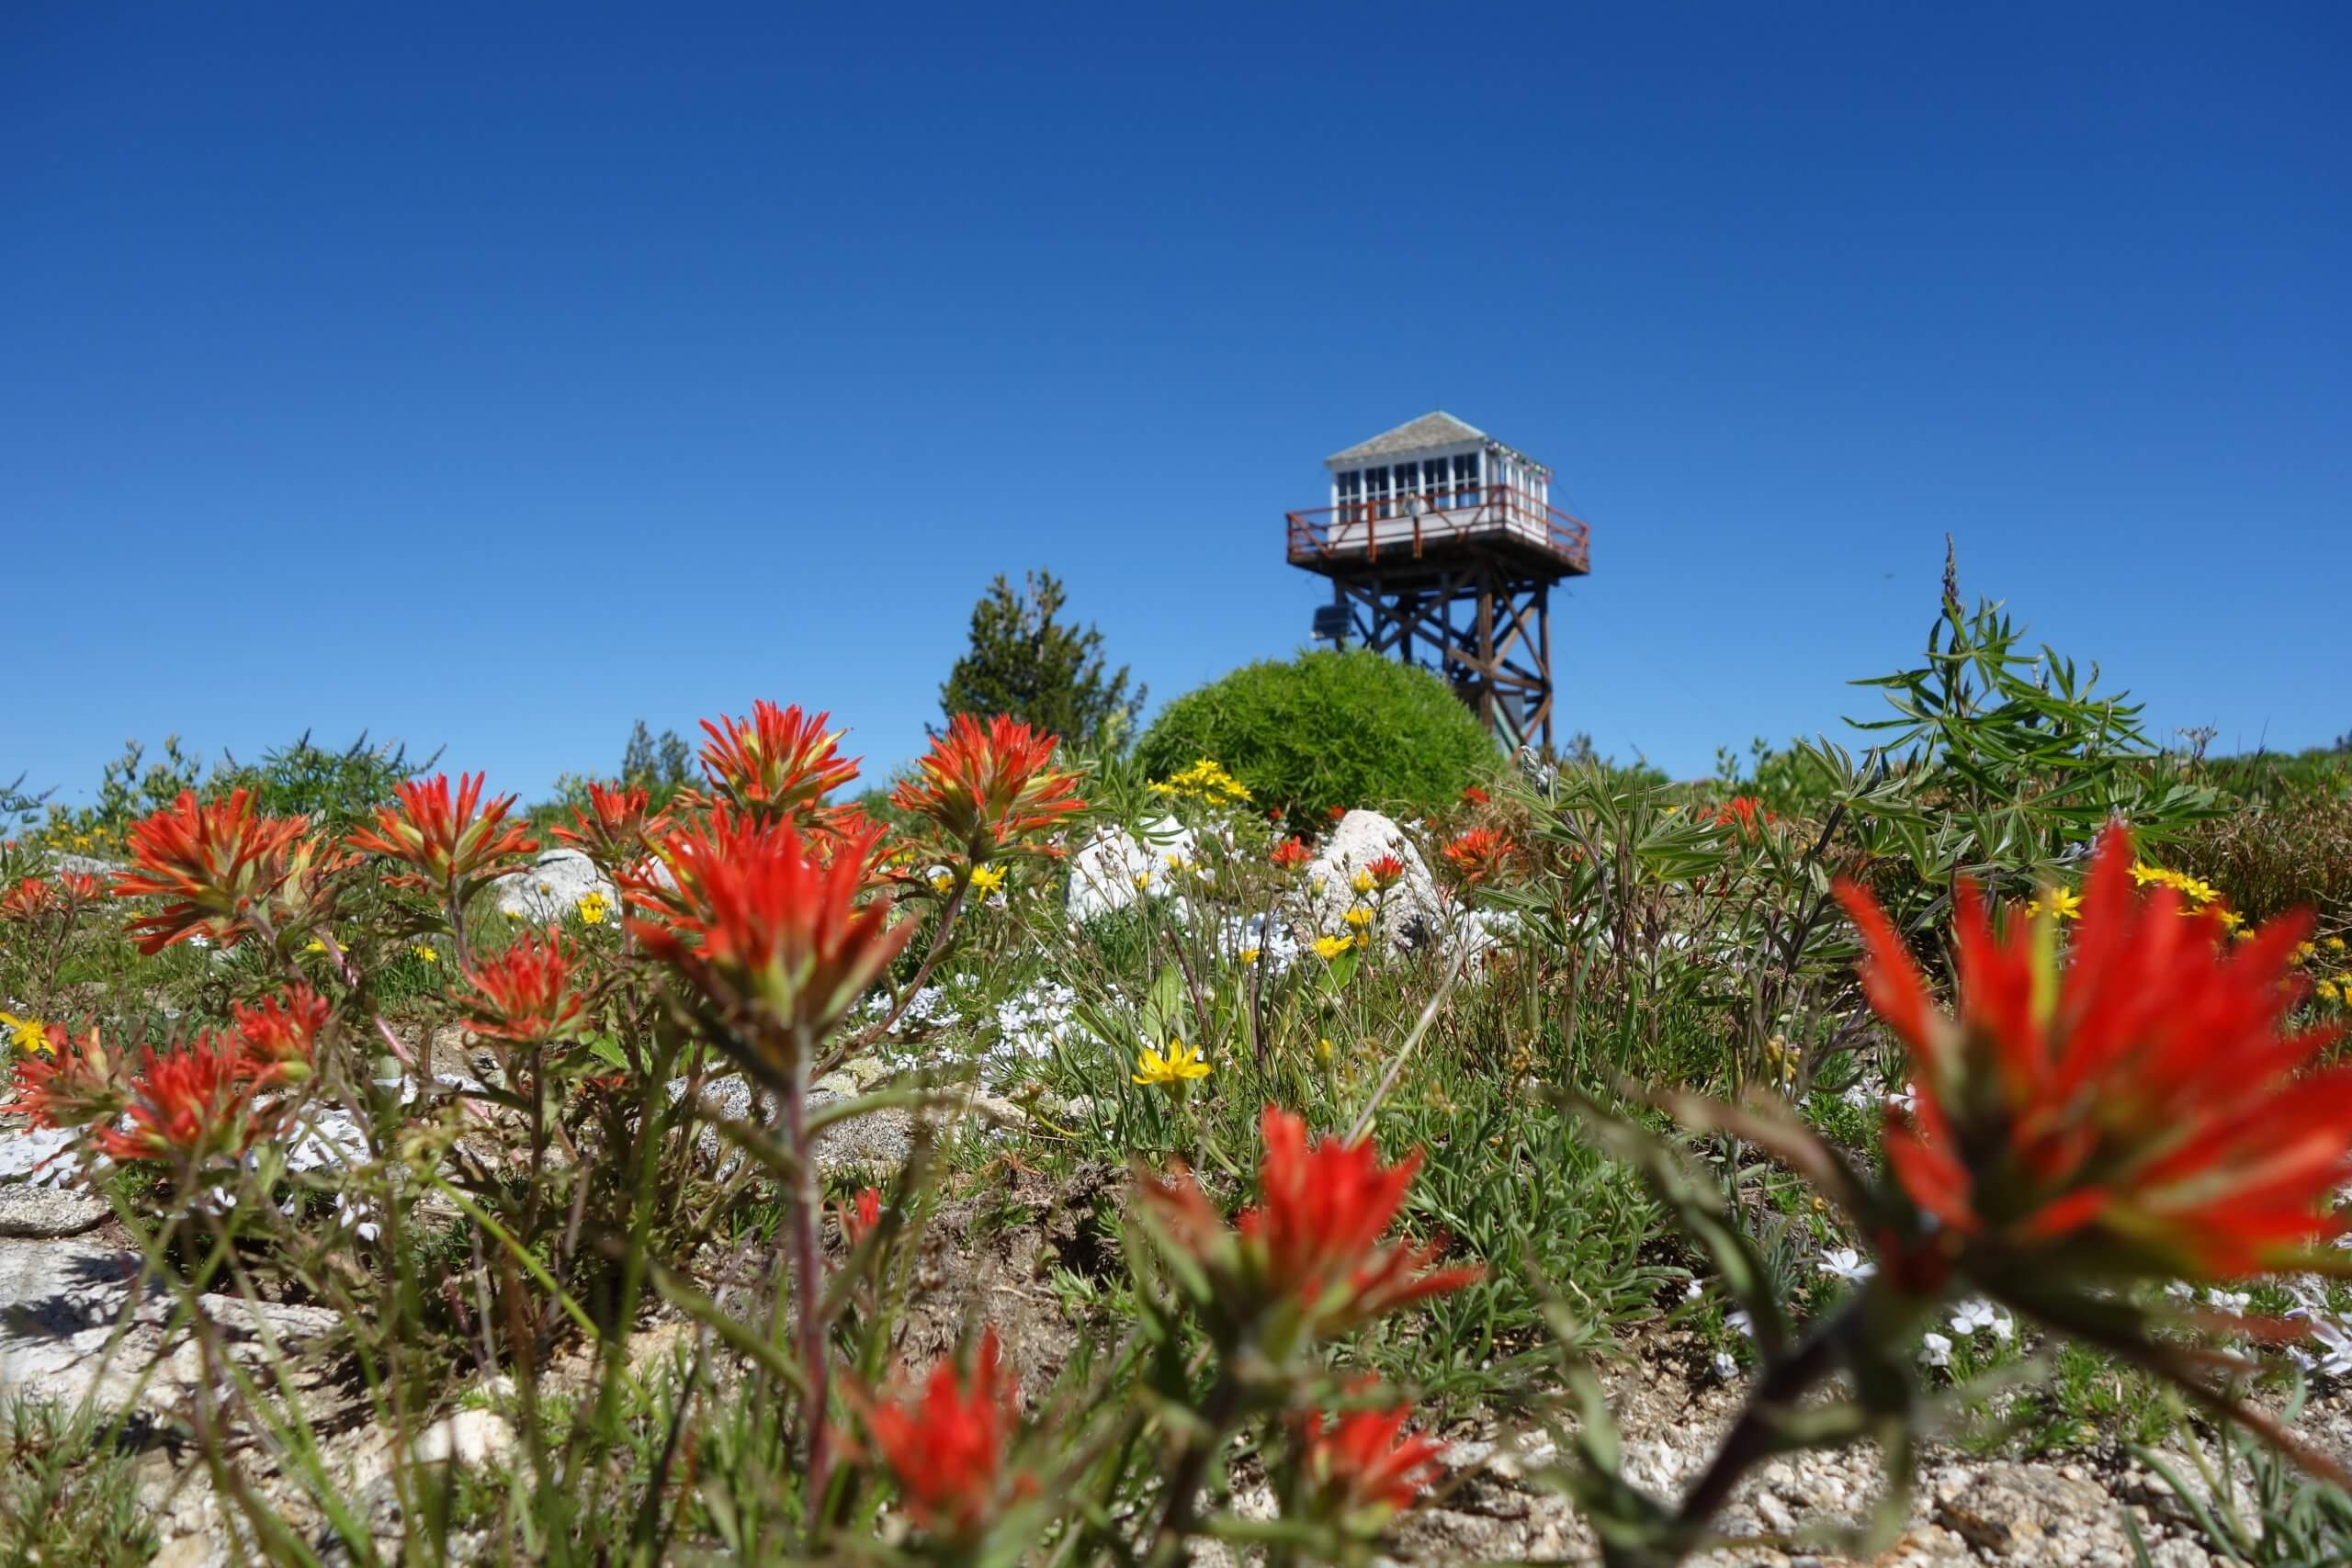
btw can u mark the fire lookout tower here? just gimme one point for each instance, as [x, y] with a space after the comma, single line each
[1442, 544]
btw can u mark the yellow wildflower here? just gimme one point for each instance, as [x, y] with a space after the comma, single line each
[987, 879]
[2056, 903]
[1143, 882]
[593, 907]
[1182, 1064]
[425, 953]
[2334, 944]
[1248, 956]
[1357, 917]
[1177, 865]
[1323, 1048]
[2324, 991]
[30, 1036]
[1361, 882]
[1204, 780]
[1328, 948]
[316, 944]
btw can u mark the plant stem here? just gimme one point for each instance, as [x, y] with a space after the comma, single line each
[808, 1286]
[1754, 1436]
[1217, 1413]
[947, 918]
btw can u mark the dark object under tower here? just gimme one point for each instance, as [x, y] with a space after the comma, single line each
[1442, 544]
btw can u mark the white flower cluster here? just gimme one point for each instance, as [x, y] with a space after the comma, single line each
[1031, 1026]
[933, 1007]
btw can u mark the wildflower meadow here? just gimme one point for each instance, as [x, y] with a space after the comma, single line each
[1053, 1157]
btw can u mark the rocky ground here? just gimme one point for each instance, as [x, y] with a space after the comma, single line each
[68, 1330]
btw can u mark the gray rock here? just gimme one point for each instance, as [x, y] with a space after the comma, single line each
[1408, 911]
[46, 1212]
[552, 889]
[43, 1155]
[63, 1311]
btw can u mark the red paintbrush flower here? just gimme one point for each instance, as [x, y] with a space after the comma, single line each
[1308, 1259]
[775, 944]
[990, 789]
[74, 1086]
[1743, 814]
[2133, 1110]
[1479, 855]
[80, 888]
[1364, 1471]
[218, 862]
[859, 1218]
[280, 1037]
[454, 843]
[948, 1450]
[30, 902]
[778, 765]
[1473, 795]
[617, 830]
[38, 899]
[188, 1107]
[1384, 870]
[525, 994]
[1291, 854]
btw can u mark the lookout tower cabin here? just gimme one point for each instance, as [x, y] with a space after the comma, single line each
[1442, 546]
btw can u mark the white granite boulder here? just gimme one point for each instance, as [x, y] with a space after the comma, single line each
[1409, 911]
[552, 889]
[1104, 870]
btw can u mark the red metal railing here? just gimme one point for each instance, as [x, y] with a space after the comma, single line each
[1403, 526]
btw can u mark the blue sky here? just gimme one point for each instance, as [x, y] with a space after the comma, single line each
[493, 376]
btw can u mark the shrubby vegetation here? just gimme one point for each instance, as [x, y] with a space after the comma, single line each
[1204, 1218]
[1327, 728]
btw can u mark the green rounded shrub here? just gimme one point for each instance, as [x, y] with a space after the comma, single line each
[1327, 728]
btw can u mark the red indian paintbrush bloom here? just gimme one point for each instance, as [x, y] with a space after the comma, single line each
[36, 899]
[1479, 855]
[617, 830]
[1310, 1259]
[1364, 1469]
[525, 994]
[990, 788]
[1386, 870]
[454, 843]
[858, 1219]
[779, 763]
[188, 1107]
[947, 1449]
[280, 1037]
[776, 944]
[2134, 1111]
[74, 1086]
[218, 862]
[1291, 854]
[1743, 812]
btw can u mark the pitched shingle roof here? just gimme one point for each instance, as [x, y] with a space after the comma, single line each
[1431, 430]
